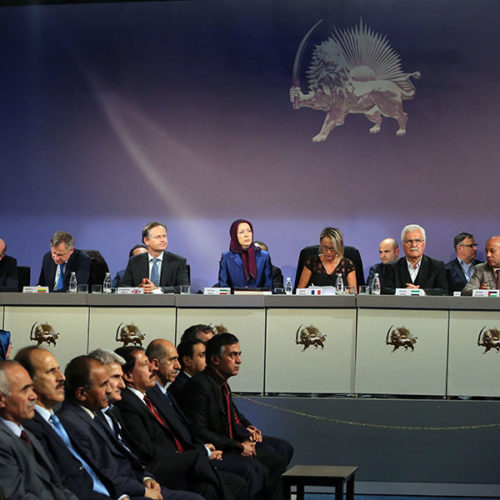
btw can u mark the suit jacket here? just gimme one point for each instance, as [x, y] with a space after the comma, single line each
[8, 274]
[79, 262]
[431, 276]
[483, 273]
[455, 275]
[177, 387]
[24, 477]
[206, 409]
[173, 273]
[277, 277]
[100, 446]
[68, 468]
[231, 271]
[156, 447]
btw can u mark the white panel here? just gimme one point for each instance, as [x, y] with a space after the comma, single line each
[291, 367]
[249, 326]
[381, 369]
[71, 323]
[152, 322]
[471, 370]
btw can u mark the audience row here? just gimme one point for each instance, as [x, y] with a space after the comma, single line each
[158, 423]
[248, 264]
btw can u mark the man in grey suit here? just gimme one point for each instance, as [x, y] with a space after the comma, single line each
[486, 276]
[26, 472]
[156, 271]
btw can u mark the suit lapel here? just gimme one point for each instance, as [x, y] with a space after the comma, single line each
[423, 271]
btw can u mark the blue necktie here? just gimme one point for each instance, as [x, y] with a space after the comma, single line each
[155, 275]
[61, 432]
[60, 280]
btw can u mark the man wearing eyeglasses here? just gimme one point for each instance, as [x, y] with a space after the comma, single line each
[415, 270]
[486, 276]
[460, 269]
[8, 270]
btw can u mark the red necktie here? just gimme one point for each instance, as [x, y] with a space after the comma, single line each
[154, 411]
[225, 392]
[26, 439]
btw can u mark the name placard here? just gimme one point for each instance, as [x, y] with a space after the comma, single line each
[211, 290]
[35, 289]
[316, 290]
[410, 292]
[124, 290]
[485, 293]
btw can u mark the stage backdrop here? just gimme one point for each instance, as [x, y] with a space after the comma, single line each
[115, 114]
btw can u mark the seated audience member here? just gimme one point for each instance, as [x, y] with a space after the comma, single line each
[8, 270]
[87, 392]
[214, 417]
[157, 271]
[81, 477]
[277, 274]
[202, 332]
[5, 344]
[25, 471]
[61, 261]
[388, 251]
[415, 270]
[322, 269]
[486, 276]
[245, 265]
[460, 269]
[138, 249]
[152, 436]
[191, 354]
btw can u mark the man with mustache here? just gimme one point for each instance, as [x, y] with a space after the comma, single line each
[26, 471]
[486, 276]
[415, 270]
[83, 478]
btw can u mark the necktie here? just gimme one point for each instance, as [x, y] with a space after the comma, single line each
[61, 432]
[225, 393]
[60, 279]
[498, 279]
[155, 274]
[26, 439]
[154, 411]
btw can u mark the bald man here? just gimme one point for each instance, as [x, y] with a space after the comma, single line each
[388, 251]
[8, 270]
[486, 276]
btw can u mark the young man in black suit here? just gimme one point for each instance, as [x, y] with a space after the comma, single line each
[215, 418]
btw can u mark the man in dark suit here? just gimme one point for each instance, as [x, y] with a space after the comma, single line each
[25, 472]
[157, 271]
[215, 418]
[62, 260]
[388, 251]
[165, 362]
[8, 270]
[81, 477]
[191, 355]
[459, 271]
[87, 392]
[149, 433]
[415, 270]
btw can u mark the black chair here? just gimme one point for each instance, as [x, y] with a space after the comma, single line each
[99, 266]
[351, 253]
[23, 277]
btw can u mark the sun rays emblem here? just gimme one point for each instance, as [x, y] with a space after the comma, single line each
[354, 71]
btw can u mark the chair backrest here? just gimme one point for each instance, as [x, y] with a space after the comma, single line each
[23, 277]
[351, 253]
[99, 264]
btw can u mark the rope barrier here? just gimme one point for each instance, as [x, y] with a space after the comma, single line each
[369, 425]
